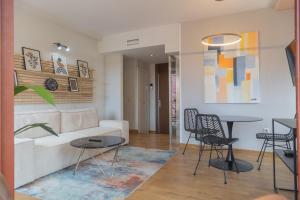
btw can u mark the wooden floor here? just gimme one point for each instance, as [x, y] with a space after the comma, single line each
[176, 182]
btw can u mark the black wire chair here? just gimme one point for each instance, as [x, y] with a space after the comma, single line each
[210, 132]
[189, 123]
[283, 140]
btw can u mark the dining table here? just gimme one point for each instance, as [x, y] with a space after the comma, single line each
[242, 165]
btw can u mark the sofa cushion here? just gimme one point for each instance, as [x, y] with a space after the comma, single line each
[99, 131]
[74, 120]
[66, 138]
[26, 118]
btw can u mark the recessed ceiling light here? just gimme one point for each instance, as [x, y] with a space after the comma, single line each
[151, 55]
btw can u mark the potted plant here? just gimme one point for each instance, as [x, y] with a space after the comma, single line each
[43, 93]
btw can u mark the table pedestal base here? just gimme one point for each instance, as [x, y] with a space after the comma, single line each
[243, 166]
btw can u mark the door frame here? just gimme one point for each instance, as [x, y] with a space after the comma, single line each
[7, 92]
[297, 34]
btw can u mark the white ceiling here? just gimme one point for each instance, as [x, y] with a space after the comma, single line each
[144, 54]
[102, 17]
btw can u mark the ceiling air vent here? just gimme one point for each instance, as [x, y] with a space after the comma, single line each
[133, 42]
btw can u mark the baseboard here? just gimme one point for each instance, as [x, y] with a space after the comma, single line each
[196, 146]
[133, 131]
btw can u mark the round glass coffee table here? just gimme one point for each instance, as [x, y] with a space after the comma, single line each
[97, 142]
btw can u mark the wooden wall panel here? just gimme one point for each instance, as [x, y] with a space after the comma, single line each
[62, 94]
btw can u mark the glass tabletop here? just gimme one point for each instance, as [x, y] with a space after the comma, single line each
[97, 142]
[234, 118]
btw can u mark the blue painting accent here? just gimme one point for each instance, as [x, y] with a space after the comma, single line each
[210, 62]
[250, 61]
[135, 167]
[220, 72]
[239, 70]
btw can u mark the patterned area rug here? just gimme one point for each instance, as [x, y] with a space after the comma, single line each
[135, 166]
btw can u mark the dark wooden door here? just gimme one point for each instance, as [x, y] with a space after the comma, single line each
[162, 100]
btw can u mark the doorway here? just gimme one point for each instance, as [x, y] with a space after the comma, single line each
[162, 98]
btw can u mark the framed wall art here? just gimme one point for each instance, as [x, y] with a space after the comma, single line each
[83, 69]
[32, 59]
[73, 84]
[60, 64]
[232, 72]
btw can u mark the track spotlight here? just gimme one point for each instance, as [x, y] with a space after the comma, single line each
[61, 46]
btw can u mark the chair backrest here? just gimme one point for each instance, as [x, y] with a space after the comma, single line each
[211, 125]
[190, 119]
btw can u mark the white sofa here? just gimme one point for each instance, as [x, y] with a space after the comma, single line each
[37, 153]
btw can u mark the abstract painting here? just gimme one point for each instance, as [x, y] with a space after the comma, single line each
[32, 59]
[60, 64]
[231, 73]
[83, 69]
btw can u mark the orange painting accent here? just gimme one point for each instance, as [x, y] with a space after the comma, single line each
[209, 40]
[225, 62]
[252, 43]
[242, 43]
[229, 75]
[248, 76]
[222, 93]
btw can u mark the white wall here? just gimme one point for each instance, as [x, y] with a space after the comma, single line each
[113, 81]
[276, 31]
[131, 92]
[33, 31]
[168, 35]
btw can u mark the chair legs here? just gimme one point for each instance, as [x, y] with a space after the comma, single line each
[219, 152]
[201, 147]
[211, 148]
[186, 144]
[262, 156]
[224, 166]
[266, 144]
[261, 150]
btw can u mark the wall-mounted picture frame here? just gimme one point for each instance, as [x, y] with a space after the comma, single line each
[83, 69]
[32, 59]
[16, 83]
[60, 64]
[73, 84]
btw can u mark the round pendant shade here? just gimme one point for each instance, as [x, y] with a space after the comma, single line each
[219, 40]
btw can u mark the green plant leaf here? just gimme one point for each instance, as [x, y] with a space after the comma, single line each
[42, 92]
[35, 125]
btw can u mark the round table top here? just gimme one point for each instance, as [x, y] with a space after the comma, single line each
[96, 142]
[233, 118]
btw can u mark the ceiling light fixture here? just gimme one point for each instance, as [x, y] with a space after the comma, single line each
[60, 46]
[151, 55]
[223, 39]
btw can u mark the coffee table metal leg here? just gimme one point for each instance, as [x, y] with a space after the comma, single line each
[79, 160]
[115, 159]
[98, 165]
